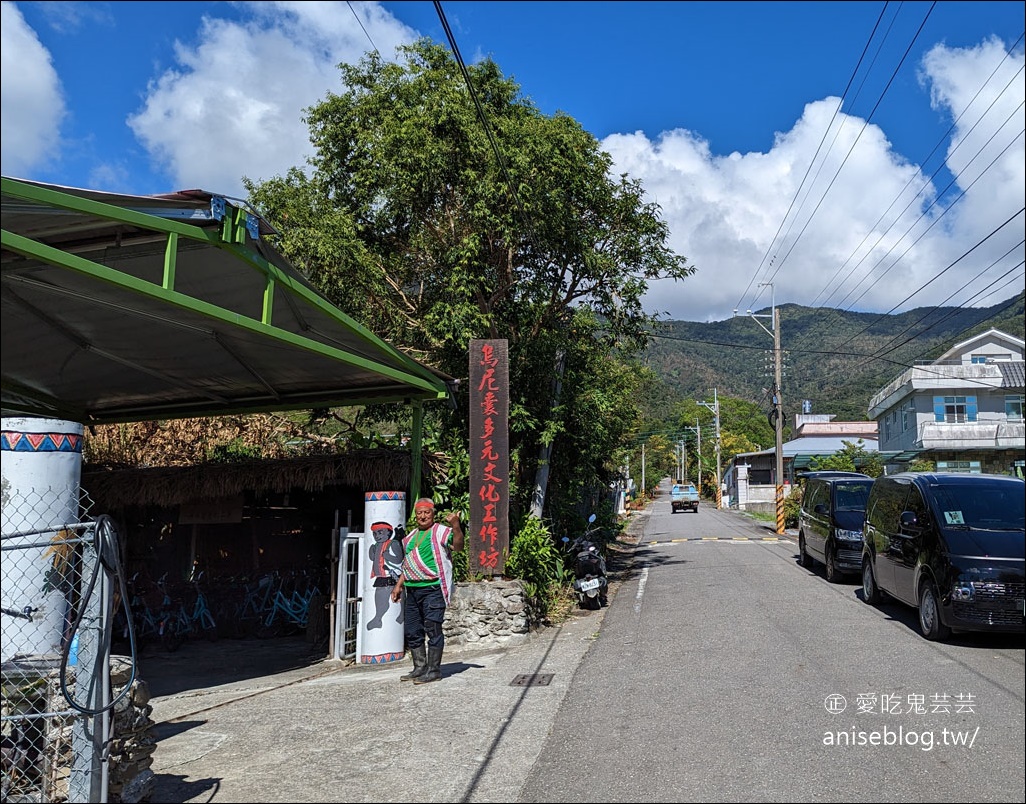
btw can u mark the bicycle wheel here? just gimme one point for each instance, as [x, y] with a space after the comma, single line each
[270, 627]
[209, 627]
[171, 636]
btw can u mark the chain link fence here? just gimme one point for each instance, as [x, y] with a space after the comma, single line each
[55, 678]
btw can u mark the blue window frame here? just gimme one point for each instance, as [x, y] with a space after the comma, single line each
[955, 409]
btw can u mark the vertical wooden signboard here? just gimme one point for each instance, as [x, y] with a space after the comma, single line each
[488, 537]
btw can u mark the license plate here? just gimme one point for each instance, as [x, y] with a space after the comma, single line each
[587, 586]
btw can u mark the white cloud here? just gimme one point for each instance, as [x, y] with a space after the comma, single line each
[233, 107]
[859, 244]
[31, 102]
[854, 237]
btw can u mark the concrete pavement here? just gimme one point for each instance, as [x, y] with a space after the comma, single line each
[256, 721]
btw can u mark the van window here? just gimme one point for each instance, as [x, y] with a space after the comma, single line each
[851, 496]
[815, 495]
[980, 506]
[887, 505]
[917, 505]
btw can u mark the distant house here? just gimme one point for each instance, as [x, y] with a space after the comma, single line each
[749, 479]
[962, 411]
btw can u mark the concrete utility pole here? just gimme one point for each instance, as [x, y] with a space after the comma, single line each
[778, 410]
[778, 403]
[684, 445]
[698, 430]
[642, 470]
[715, 408]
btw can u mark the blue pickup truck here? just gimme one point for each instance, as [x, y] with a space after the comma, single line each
[684, 496]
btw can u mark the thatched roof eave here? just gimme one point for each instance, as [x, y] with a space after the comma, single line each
[371, 470]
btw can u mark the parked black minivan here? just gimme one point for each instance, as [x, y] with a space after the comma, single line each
[952, 545]
[830, 521]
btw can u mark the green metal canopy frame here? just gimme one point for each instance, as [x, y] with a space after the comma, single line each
[120, 308]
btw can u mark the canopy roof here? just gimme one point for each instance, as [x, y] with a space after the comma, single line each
[128, 308]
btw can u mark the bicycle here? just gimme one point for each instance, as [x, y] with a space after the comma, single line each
[288, 614]
[174, 623]
[202, 619]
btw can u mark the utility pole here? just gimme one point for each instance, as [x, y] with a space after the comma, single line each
[698, 430]
[778, 410]
[643, 470]
[715, 408]
[778, 404]
[698, 450]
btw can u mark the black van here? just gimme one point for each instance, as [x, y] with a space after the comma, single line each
[830, 521]
[953, 546]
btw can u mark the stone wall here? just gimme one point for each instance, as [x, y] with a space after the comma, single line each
[130, 778]
[488, 614]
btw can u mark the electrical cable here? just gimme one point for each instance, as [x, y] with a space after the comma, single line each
[851, 79]
[927, 184]
[360, 23]
[941, 194]
[107, 551]
[887, 346]
[510, 187]
[844, 161]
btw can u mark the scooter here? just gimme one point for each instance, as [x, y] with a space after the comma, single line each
[590, 581]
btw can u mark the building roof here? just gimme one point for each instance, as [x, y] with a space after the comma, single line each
[122, 308]
[1013, 374]
[960, 348]
[819, 445]
[846, 430]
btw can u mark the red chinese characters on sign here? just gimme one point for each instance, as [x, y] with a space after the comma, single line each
[488, 538]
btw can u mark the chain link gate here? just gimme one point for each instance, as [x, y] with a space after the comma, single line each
[55, 633]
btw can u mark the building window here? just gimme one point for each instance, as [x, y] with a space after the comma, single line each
[1013, 407]
[965, 467]
[904, 417]
[999, 358]
[954, 409]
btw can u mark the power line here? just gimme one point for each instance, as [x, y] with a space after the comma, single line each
[865, 125]
[510, 187]
[826, 131]
[360, 23]
[926, 184]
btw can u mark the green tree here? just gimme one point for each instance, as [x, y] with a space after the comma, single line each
[852, 457]
[410, 221]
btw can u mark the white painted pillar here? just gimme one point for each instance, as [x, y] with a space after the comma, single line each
[380, 638]
[42, 472]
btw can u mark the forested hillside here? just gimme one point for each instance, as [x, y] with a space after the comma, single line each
[834, 358]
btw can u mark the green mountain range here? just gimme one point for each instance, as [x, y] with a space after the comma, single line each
[835, 359]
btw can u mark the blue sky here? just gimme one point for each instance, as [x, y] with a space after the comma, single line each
[908, 193]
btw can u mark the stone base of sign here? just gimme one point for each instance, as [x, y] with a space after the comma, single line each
[483, 614]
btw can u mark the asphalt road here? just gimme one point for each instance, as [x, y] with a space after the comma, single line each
[716, 662]
[705, 679]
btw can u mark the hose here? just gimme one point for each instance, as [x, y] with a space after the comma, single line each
[107, 550]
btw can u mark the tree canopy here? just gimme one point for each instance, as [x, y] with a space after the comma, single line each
[412, 222]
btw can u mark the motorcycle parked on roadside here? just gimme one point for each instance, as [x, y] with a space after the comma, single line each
[590, 582]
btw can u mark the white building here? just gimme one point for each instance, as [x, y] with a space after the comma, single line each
[749, 480]
[962, 411]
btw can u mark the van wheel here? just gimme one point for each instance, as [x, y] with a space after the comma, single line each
[832, 573]
[870, 591]
[803, 556]
[929, 613]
